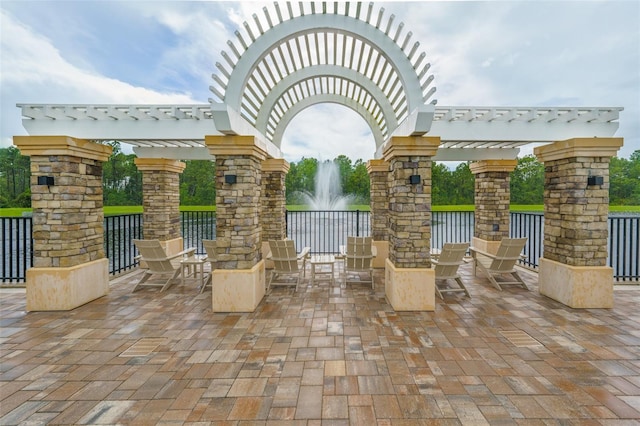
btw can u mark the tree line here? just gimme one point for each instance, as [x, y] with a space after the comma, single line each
[122, 181]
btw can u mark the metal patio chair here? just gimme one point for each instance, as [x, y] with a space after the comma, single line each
[287, 262]
[446, 267]
[502, 263]
[358, 257]
[158, 263]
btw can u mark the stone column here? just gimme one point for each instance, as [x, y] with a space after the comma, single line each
[161, 201]
[573, 268]
[274, 203]
[379, 184]
[239, 282]
[69, 265]
[410, 281]
[492, 200]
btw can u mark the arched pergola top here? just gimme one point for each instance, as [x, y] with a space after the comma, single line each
[327, 98]
[350, 42]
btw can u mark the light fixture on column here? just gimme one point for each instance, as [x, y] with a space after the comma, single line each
[230, 179]
[414, 179]
[595, 180]
[46, 180]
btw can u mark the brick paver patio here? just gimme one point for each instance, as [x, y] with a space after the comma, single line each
[323, 355]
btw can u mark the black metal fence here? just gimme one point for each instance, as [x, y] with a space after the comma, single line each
[326, 231]
[16, 246]
[119, 233]
[323, 231]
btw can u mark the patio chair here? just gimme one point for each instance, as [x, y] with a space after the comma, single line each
[287, 262]
[446, 267]
[158, 263]
[502, 263]
[210, 249]
[358, 257]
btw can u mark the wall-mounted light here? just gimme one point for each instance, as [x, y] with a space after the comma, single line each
[231, 179]
[46, 180]
[414, 179]
[595, 180]
[495, 227]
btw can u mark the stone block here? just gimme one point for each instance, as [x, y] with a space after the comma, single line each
[410, 289]
[576, 286]
[63, 289]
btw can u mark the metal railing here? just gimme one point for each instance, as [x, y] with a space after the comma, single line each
[119, 233]
[323, 231]
[16, 244]
[624, 251]
[326, 231]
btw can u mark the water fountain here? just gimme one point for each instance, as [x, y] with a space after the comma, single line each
[328, 191]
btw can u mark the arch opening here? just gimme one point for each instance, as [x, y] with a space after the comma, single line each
[326, 130]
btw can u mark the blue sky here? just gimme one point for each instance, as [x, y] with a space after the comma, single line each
[518, 53]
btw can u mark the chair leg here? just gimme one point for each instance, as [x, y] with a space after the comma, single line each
[173, 277]
[459, 281]
[520, 280]
[144, 278]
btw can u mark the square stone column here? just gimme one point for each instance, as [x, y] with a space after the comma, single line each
[161, 201]
[410, 281]
[69, 264]
[274, 202]
[239, 282]
[492, 200]
[573, 268]
[379, 184]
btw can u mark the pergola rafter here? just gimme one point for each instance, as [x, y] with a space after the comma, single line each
[360, 54]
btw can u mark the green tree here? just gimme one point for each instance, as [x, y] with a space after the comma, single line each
[121, 179]
[624, 177]
[198, 183]
[358, 183]
[440, 180]
[527, 181]
[462, 189]
[15, 176]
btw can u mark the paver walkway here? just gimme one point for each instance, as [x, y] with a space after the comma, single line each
[324, 355]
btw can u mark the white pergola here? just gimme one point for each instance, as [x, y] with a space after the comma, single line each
[295, 56]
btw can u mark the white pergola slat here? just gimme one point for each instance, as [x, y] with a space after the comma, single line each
[177, 131]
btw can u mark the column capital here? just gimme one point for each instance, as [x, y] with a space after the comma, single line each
[235, 145]
[377, 165]
[275, 165]
[159, 164]
[61, 145]
[579, 147]
[484, 166]
[410, 146]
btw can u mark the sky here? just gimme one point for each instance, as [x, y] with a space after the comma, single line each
[483, 53]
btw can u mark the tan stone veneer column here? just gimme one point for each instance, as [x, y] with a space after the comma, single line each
[379, 190]
[239, 282]
[573, 268]
[492, 199]
[409, 279]
[274, 203]
[69, 264]
[161, 201]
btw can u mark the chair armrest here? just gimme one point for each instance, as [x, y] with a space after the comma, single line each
[475, 251]
[187, 252]
[304, 252]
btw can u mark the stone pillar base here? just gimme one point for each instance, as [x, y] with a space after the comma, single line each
[576, 286]
[268, 264]
[410, 289]
[485, 245]
[238, 290]
[382, 254]
[63, 289]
